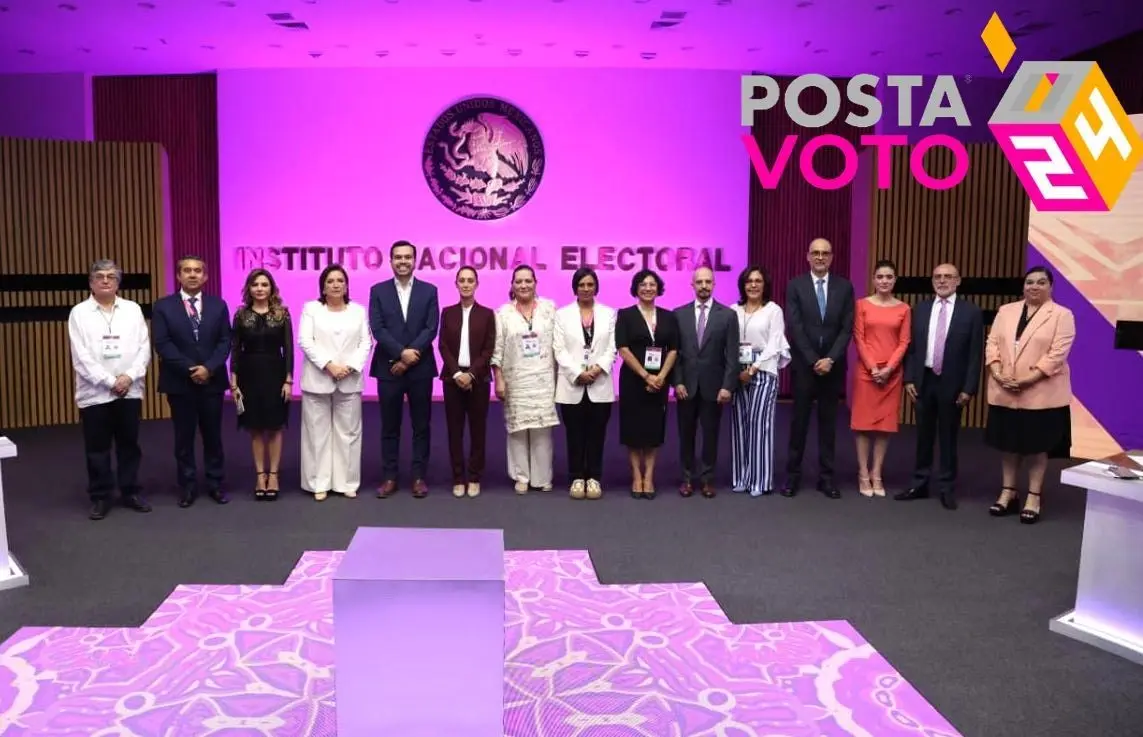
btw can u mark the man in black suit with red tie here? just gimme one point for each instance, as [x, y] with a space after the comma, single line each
[468, 339]
[191, 333]
[942, 374]
[819, 316]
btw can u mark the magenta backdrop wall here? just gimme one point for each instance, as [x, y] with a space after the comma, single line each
[333, 158]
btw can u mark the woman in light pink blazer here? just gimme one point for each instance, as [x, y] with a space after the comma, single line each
[1029, 390]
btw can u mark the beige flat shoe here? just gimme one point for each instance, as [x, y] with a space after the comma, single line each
[458, 490]
[594, 490]
[474, 490]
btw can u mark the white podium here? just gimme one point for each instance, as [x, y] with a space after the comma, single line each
[11, 574]
[1109, 596]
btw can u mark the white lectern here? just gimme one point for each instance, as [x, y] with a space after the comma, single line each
[1109, 596]
[11, 574]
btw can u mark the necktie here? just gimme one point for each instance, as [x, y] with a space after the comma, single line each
[939, 341]
[821, 298]
[701, 322]
[195, 318]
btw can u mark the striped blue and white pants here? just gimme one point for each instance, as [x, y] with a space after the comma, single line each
[752, 434]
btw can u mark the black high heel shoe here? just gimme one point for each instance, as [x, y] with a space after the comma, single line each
[1030, 516]
[271, 494]
[1003, 510]
[260, 494]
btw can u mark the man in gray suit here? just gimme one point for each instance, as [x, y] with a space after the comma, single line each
[705, 375]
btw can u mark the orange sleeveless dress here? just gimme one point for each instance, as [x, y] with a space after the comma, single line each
[881, 336]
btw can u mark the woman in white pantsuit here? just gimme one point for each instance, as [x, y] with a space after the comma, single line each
[335, 339]
[524, 367]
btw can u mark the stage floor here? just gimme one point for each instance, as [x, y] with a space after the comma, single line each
[581, 659]
[958, 602]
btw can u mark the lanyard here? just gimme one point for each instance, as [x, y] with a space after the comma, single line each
[651, 324]
[746, 324]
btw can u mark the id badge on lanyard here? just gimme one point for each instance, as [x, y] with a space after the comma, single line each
[653, 358]
[530, 345]
[109, 347]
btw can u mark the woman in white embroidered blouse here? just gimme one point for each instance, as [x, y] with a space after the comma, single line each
[524, 369]
[762, 352]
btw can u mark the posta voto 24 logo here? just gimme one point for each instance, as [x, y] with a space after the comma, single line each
[1060, 125]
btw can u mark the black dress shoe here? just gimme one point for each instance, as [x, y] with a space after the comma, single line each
[219, 496]
[134, 501]
[187, 498]
[827, 488]
[918, 492]
[948, 501]
[99, 509]
[791, 488]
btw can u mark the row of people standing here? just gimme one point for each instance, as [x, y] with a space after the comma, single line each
[711, 355]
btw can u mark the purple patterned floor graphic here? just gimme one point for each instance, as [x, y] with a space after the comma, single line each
[582, 660]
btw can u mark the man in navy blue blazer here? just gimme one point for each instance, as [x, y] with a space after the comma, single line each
[404, 317]
[191, 333]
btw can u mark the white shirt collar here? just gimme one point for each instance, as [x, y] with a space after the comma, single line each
[186, 296]
[951, 299]
[96, 306]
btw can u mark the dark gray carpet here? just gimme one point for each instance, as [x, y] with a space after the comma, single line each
[958, 601]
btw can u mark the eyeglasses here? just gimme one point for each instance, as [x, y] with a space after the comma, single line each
[821, 254]
[104, 277]
[944, 277]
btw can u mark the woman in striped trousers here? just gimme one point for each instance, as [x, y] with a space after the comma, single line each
[762, 351]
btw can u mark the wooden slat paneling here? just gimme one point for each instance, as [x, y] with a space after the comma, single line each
[784, 220]
[980, 226]
[63, 205]
[181, 113]
[1119, 60]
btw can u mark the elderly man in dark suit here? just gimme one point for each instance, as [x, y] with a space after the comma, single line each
[404, 317]
[467, 341]
[704, 377]
[942, 375]
[191, 333]
[819, 310]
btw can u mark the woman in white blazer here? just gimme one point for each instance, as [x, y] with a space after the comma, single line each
[585, 354]
[335, 339]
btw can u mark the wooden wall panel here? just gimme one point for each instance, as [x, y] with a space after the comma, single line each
[980, 226]
[784, 220]
[1119, 60]
[64, 205]
[180, 112]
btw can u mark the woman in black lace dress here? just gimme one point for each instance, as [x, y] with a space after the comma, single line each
[261, 374]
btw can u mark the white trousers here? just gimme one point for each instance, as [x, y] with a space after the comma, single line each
[331, 442]
[530, 456]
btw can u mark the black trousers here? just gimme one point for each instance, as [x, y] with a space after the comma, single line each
[585, 431]
[692, 412]
[392, 401]
[466, 408]
[826, 391]
[938, 419]
[198, 411]
[114, 423]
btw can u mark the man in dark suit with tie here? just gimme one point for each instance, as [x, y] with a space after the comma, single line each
[819, 313]
[942, 374]
[704, 377]
[403, 316]
[192, 337]
[468, 339]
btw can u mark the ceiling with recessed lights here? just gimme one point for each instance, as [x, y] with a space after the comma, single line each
[836, 37]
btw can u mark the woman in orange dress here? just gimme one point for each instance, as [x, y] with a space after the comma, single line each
[881, 333]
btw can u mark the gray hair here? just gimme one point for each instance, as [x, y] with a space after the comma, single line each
[105, 264]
